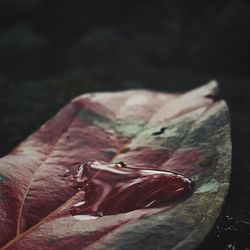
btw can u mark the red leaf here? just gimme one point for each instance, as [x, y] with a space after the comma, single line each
[187, 134]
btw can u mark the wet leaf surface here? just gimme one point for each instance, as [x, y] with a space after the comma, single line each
[185, 133]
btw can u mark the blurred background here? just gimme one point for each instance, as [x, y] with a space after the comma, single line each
[52, 51]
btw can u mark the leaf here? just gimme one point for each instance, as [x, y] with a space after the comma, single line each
[184, 133]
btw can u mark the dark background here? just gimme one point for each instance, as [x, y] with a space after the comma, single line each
[51, 51]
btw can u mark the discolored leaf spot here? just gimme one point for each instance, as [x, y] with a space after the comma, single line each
[161, 131]
[2, 178]
[124, 150]
[51, 241]
[110, 152]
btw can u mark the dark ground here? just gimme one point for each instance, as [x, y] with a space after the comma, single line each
[51, 51]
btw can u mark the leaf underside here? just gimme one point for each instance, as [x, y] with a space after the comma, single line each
[186, 133]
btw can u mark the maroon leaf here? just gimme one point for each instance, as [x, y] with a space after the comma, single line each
[188, 134]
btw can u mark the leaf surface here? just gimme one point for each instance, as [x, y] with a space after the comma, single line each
[184, 133]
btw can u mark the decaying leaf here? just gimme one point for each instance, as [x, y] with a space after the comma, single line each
[187, 134]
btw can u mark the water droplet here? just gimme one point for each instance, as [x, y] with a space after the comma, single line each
[85, 217]
[112, 188]
[121, 164]
[79, 204]
[100, 213]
